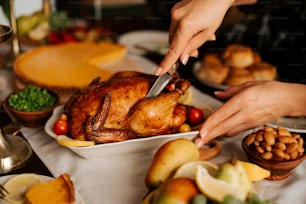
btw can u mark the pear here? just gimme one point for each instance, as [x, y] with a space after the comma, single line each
[168, 158]
[176, 191]
[27, 22]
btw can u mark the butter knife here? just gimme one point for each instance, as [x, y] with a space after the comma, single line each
[162, 81]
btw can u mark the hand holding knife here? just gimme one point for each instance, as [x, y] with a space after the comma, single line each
[162, 81]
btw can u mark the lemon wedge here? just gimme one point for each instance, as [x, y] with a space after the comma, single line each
[68, 142]
[189, 169]
[215, 189]
[186, 98]
[18, 185]
[254, 172]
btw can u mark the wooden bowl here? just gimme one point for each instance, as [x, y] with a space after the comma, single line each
[279, 169]
[34, 118]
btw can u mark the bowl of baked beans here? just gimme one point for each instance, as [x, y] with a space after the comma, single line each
[275, 149]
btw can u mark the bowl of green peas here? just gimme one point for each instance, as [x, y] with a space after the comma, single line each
[32, 106]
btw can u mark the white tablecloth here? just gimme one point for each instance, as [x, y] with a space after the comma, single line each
[117, 180]
[120, 179]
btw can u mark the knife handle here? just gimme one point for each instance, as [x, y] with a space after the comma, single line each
[173, 68]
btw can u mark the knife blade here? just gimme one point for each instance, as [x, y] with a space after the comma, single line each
[162, 81]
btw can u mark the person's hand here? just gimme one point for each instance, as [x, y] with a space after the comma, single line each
[251, 105]
[193, 22]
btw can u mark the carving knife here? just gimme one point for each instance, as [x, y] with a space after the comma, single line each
[162, 81]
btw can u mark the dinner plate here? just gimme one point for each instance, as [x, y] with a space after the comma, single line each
[195, 69]
[152, 40]
[139, 145]
[293, 124]
[78, 197]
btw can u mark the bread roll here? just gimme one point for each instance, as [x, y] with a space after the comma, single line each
[263, 71]
[213, 73]
[238, 76]
[238, 56]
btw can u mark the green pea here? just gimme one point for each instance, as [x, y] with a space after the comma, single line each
[32, 98]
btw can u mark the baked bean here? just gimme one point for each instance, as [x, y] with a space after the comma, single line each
[250, 139]
[300, 141]
[285, 139]
[267, 147]
[276, 143]
[287, 157]
[291, 147]
[260, 149]
[280, 146]
[283, 132]
[268, 129]
[259, 137]
[267, 155]
[278, 153]
[256, 143]
[269, 138]
[293, 155]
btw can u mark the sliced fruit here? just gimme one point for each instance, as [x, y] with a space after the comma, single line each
[67, 141]
[255, 172]
[215, 189]
[18, 185]
[186, 98]
[189, 169]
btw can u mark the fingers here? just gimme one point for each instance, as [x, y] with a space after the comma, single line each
[228, 93]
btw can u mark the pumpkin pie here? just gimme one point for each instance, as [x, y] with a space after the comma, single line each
[67, 66]
[56, 191]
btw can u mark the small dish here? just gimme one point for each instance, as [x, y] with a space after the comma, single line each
[78, 198]
[293, 124]
[31, 118]
[279, 169]
[152, 40]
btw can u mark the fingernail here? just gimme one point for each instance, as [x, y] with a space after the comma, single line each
[158, 71]
[217, 92]
[199, 142]
[185, 59]
[203, 133]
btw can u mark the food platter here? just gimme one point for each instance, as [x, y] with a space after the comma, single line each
[78, 197]
[152, 40]
[117, 148]
[293, 124]
[196, 68]
[148, 144]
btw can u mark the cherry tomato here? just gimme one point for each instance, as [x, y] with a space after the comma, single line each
[195, 116]
[60, 127]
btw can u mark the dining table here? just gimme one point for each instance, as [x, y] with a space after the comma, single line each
[120, 178]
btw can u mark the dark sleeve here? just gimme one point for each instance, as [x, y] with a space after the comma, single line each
[265, 6]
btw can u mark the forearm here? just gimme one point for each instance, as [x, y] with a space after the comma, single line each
[297, 99]
[243, 2]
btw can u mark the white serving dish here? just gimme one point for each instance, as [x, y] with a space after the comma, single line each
[140, 145]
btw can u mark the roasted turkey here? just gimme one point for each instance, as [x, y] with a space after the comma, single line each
[117, 110]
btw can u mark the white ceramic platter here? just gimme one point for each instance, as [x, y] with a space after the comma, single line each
[195, 70]
[3, 179]
[293, 124]
[134, 145]
[153, 40]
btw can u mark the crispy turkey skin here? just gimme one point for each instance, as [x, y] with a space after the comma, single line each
[117, 110]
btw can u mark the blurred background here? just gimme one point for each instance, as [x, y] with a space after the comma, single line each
[273, 28]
